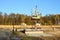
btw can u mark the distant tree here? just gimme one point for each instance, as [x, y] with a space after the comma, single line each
[28, 20]
[18, 19]
[22, 18]
[42, 20]
[11, 18]
[1, 18]
[5, 18]
[57, 19]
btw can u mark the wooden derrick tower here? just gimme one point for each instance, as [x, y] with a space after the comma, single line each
[35, 15]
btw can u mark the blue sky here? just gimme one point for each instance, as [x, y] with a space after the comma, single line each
[25, 6]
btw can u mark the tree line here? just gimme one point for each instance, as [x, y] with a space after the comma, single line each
[17, 19]
[12, 18]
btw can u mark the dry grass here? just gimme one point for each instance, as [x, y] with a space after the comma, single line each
[28, 26]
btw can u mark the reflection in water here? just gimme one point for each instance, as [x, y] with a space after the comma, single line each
[37, 33]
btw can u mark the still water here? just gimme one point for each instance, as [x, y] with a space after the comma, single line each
[38, 35]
